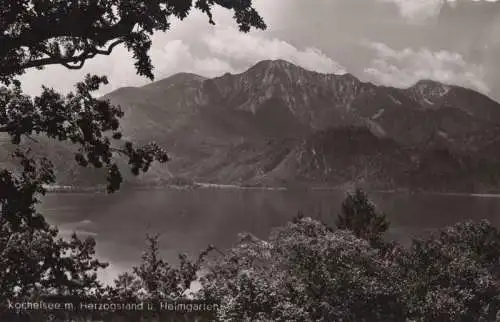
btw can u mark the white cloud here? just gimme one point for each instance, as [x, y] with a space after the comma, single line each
[248, 49]
[418, 11]
[403, 68]
[177, 56]
[119, 65]
[225, 50]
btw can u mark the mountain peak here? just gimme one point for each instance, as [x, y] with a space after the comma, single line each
[175, 79]
[427, 91]
[268, 64]
[284, 70]
[429, 85]
[186, 77]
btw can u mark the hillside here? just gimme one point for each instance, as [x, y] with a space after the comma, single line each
[278, 123]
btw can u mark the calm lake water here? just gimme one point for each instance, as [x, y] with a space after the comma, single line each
[189, 220]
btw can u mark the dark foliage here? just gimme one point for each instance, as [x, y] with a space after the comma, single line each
[40, 33]
[34, 261]
[359, 215]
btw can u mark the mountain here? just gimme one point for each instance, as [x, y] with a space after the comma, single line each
[344, 154]
[67, 171]
[277, 123]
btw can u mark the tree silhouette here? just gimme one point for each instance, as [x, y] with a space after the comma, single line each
[359, 215]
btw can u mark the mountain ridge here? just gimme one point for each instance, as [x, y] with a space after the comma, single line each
[277, 100]
[251, 127]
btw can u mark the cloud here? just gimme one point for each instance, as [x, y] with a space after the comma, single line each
[177, 56]
[178, 42]
[248, 49]
[403, 68]
[224, 49]
[418, 11]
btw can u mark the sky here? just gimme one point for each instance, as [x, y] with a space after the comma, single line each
[387, 42]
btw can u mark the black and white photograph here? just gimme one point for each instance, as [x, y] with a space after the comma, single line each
[249, 160]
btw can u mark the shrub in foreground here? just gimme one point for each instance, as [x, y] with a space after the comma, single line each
[306, 272]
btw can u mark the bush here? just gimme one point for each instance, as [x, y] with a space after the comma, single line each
[305, 272]
[454, 275]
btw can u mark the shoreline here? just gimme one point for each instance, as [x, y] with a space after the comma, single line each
[203, 185]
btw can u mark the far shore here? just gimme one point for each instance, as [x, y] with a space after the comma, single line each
[203, 185]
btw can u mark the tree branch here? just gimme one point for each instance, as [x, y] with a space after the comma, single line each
[65, 61]
[66, 28]
[110, 48]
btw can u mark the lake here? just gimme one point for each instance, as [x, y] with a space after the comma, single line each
[189, 220]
